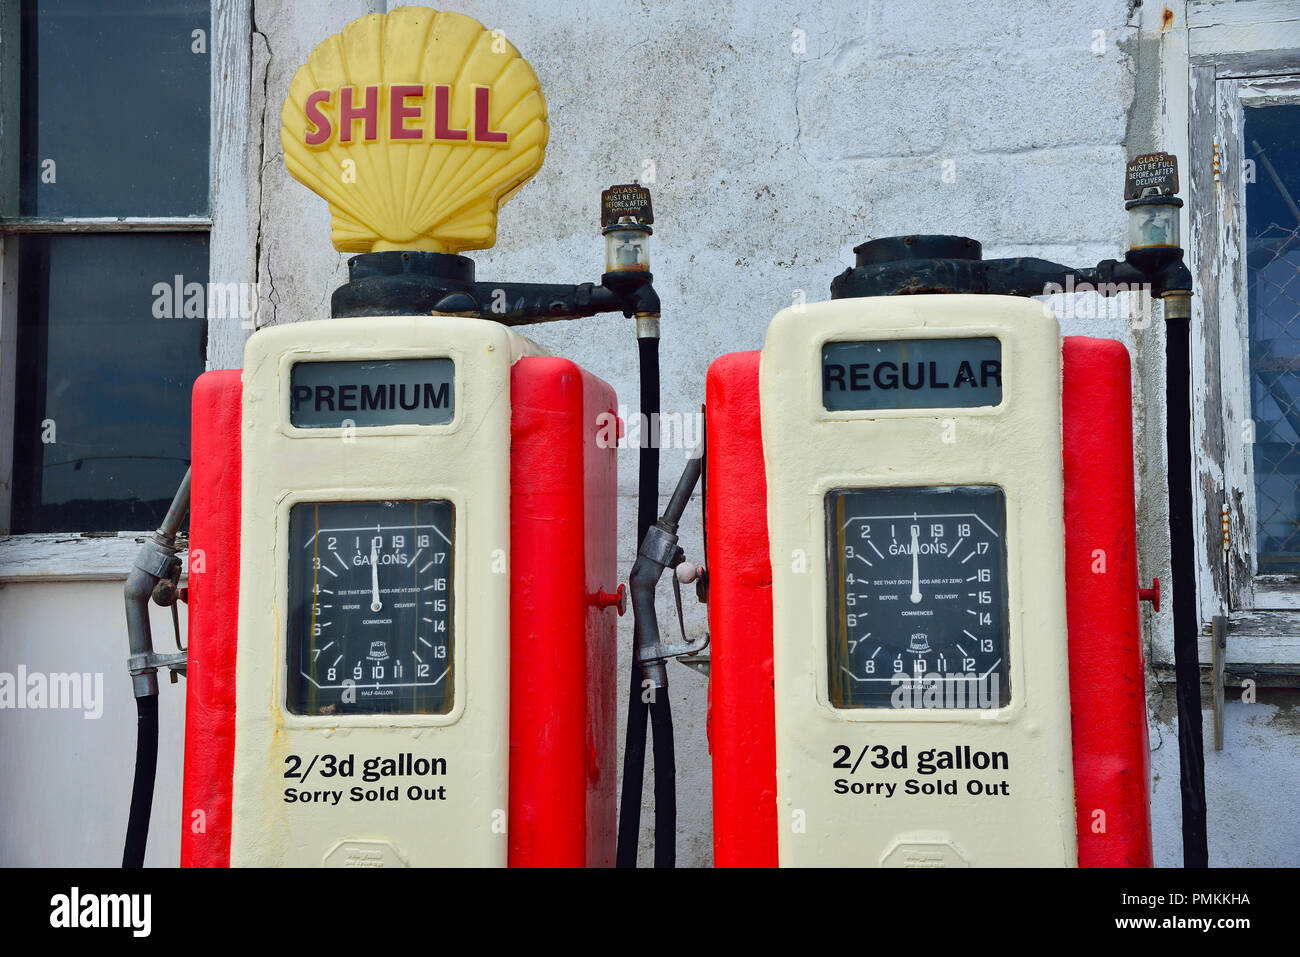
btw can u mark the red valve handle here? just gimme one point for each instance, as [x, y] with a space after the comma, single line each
[616, 600]
[1151, 594]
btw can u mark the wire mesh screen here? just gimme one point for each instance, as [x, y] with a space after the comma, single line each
[1272, 175]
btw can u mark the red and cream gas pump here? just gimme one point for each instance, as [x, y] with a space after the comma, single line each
[402, 585]
[913, 683]
[922, 578]
[387, 663]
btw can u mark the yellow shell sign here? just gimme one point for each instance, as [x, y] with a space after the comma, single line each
[414, 126]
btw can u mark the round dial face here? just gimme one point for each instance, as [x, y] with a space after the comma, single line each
[918, 597]
[370, 608]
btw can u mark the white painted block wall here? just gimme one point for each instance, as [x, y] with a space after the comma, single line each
[65, 778]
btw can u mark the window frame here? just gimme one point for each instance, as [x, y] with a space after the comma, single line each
[1226, 49]
[72, 556]
[1247, 589]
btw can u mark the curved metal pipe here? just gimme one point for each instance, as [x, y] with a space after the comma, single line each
[156, 557]
[151, 565]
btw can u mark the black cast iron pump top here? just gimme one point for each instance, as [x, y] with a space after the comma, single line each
[414, 282]
[927, 264]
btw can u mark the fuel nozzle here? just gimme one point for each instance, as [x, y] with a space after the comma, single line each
[659, 552]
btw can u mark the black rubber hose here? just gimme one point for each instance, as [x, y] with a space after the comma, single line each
[629, 815]
[661, 721]
[647, 506]
[629, 811]
[146, 767]
[1187, 670]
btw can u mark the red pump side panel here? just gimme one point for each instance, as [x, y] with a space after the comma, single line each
[742, 716]
[563, 504]
[213, 619]
[1107, 680]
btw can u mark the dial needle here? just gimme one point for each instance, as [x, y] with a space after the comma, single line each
[916, 567]
[375, 603]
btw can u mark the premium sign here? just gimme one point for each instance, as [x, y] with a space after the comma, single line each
[414, 126]
[911, 374]
[332, 395]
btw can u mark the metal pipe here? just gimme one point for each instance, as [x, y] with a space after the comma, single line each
[682, 493]
[642, 584]
[659, 550]
[176, 512]
[155, 559]
[151, 564]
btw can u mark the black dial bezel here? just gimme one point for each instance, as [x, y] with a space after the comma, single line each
[882, 692]
[414, 627]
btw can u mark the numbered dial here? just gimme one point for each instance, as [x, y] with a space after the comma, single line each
[370, 608]
[918, 597]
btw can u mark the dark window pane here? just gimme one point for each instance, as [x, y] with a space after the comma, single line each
[1272, 135]
[114, 108]
[106, 366]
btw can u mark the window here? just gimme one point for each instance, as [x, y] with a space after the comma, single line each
[1256, 236]
[1243, 66]
[1271, 263]
[113, 108]
[101, 424]
[124, 179]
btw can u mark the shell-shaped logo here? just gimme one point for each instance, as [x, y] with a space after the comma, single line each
[414, 126]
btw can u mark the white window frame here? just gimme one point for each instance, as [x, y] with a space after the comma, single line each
[71, 556]
[1217, 52]
[1247, 589]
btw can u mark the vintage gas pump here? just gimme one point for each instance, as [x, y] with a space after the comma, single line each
[402, 546]
[921, 568]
